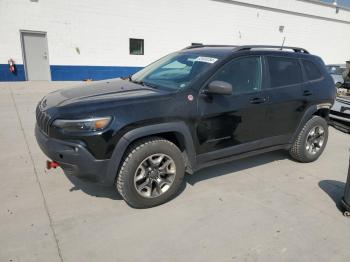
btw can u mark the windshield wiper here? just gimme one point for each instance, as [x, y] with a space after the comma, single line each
[137, 82]
[150, 85]
[143, 83]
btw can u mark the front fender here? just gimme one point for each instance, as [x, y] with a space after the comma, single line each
[179, 128]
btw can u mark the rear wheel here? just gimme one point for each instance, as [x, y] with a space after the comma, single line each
[311, 141]
[151, 173]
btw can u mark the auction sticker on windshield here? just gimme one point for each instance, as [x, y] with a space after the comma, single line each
[205, 59]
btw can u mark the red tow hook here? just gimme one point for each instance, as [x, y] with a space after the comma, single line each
[51, 164]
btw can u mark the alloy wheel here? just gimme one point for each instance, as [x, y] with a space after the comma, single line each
[315, 140]
[155, 175]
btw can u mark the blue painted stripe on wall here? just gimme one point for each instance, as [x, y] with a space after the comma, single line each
[72, 73]
[6, 75]
[66, 73]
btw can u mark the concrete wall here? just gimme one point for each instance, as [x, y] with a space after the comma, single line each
[101, 30]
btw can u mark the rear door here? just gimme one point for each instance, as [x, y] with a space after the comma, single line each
[285, 91]
[312, 89]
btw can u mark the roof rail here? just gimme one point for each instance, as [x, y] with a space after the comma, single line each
[197, 45]
[250, 47]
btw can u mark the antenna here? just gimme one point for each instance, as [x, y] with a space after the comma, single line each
[284, 39]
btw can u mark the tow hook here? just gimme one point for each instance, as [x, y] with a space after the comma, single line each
[51, 164]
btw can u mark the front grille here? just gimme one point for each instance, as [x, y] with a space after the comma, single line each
[343, 100]
[42, 120]
[336, 113]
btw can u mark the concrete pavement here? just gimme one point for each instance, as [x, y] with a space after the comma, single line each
[263, 208]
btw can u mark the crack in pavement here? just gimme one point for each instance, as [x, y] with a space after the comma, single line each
[37, 177]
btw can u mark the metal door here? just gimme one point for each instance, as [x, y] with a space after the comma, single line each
[35, 55]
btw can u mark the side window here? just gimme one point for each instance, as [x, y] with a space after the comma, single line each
[284, 71]
[244, 74]
[311, 70]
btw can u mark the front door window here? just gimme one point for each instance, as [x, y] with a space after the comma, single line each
[244, 74]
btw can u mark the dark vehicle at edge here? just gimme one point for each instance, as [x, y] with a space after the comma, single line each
[197, 107]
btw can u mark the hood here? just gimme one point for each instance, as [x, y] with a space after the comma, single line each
[106, 90]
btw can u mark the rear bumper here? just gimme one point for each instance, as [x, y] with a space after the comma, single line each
[74, 158]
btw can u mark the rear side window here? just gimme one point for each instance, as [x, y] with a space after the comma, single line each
[284, 71]
[311, 70]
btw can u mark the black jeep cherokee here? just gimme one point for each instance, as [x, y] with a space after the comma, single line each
[194, 108]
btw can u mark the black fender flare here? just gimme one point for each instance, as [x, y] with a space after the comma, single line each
[179, 128]
[309, 112]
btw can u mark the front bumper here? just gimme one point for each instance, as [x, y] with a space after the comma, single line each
[346, 85]
[74, 159]
[341, 109]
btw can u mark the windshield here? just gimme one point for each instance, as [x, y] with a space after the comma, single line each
[335, 70]
[175, 71]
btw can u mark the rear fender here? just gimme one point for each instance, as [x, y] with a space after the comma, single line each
[308, 115]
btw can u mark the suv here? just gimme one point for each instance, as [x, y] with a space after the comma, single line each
[194, 108]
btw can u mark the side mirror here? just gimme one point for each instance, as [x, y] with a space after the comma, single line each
[218, 88]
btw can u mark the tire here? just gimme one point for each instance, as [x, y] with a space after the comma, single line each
[301, 149]
[135, 181]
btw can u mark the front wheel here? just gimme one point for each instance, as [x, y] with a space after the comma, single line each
[151, 173]
[311, 141]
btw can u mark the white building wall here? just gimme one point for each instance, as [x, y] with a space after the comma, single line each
[101, 29]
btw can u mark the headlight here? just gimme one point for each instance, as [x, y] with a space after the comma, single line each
[90, 124]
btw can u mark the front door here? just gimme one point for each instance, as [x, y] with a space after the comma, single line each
[36, 56]
[231, 124]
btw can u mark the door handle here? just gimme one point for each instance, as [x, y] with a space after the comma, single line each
[258, 100]
[307, 93]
